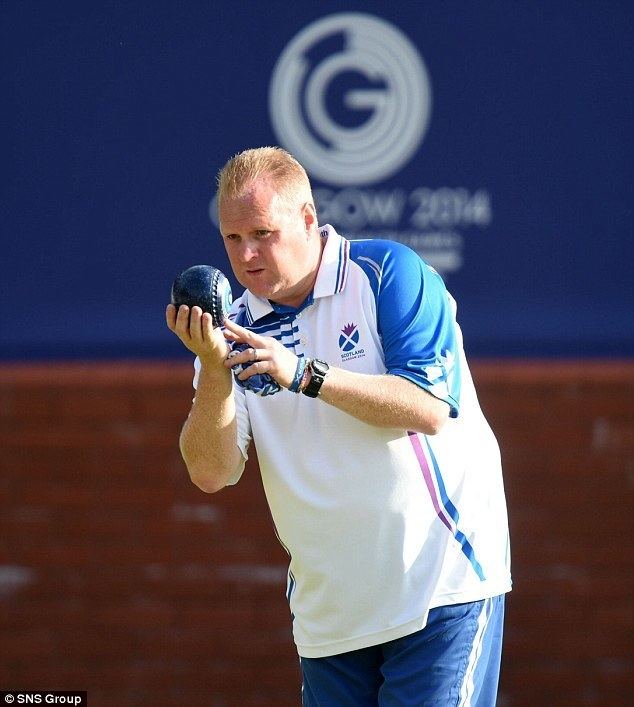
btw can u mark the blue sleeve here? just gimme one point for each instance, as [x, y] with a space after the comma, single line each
[416, 320]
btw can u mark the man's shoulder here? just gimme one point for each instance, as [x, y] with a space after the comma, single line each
[381, 256]
[378, 246]
[383, 250]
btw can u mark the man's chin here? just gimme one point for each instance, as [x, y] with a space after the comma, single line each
[259, 289]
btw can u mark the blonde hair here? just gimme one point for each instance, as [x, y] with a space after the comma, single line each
[289, 177]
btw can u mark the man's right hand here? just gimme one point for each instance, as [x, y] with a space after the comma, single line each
[195, 329]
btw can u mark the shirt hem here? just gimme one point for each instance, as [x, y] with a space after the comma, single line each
[379, 637]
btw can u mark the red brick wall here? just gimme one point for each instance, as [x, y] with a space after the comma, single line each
[119, 577]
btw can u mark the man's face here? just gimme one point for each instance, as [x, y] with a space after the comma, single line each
[269, 244]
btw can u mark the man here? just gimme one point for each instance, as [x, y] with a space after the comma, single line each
[382, 475]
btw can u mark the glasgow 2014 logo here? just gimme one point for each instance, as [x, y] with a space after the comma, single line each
[349, 342]
[377, 77]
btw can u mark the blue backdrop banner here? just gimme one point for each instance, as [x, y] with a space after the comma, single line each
[494, 138]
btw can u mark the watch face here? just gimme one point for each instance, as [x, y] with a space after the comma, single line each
[320, 367]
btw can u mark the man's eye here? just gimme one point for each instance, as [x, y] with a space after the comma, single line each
[262, 233]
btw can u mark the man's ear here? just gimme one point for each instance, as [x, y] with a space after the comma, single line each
[310, 216]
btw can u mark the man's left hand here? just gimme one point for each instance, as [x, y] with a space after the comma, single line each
[268, 354]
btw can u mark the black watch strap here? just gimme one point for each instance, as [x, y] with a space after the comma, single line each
[318, 371]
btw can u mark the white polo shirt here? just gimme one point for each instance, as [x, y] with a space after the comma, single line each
[381, 525]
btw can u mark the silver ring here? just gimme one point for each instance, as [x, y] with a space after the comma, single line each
[255, 353]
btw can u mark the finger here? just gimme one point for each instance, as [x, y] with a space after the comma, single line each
[240, 357]
[230, 336]
[257, 367]
[195, 323]
[207, 326]
[248, 356]
[233, 327]
[182, 321]
[240, 333]
[170, 316]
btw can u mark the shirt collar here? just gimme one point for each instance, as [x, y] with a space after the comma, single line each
[331, 277]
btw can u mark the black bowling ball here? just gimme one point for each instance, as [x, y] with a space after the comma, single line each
[206, 287]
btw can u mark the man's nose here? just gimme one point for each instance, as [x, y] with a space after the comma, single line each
[248, 251]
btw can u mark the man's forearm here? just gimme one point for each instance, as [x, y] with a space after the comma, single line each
[208, 441]
[384, 401]
[380, 400]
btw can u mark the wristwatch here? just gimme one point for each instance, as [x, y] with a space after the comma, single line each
[318, 370]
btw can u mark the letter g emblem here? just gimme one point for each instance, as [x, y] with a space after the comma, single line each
[388, 103]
